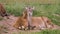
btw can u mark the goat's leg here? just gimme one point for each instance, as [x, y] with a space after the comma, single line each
[29, 26]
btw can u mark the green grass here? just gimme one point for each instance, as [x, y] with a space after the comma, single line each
[51, 9]
[41, 32]
[42, 8]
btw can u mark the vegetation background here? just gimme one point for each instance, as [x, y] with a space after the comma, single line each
[49, 8]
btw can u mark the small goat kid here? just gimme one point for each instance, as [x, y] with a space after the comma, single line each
[24, 21]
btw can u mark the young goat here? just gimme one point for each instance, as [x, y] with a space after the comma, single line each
[24, 21]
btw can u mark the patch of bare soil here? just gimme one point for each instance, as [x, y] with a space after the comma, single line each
[6, 26]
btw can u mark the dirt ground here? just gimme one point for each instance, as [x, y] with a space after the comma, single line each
[6, 26]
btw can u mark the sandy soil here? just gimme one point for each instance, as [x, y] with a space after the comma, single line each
[7, 28]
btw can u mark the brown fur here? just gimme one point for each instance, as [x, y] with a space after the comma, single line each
[20, 22]
[3, 11]
[48, 22]
[36, 21]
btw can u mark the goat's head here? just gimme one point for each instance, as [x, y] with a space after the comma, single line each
[29, 9]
